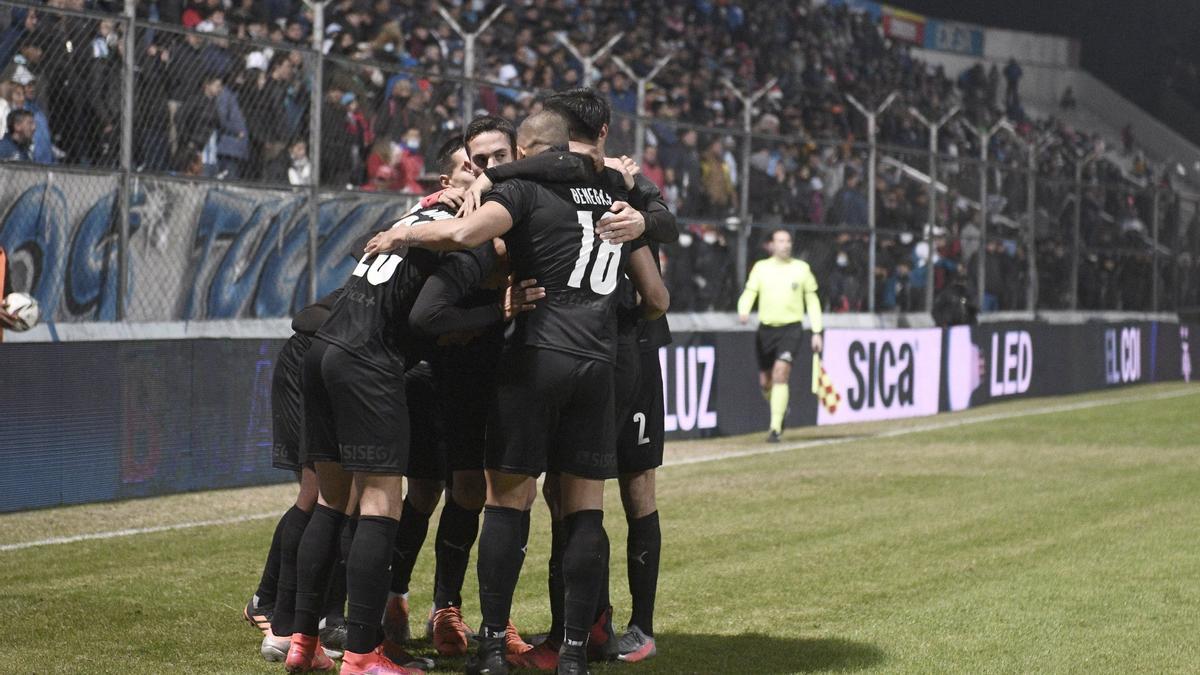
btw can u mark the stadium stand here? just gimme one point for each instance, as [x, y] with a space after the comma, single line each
[223, 90]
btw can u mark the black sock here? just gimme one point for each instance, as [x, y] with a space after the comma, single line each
[410, 536]
[583, 572]
[644, 547]
[367, 581]
[267, 583]
[525, 529]
[602, 600]
[295, 520]
[456, 533]
[554, 579]
[499, 566]
[317, 554]
[335, 598]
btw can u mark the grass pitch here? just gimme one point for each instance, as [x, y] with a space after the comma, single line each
[1025, 542]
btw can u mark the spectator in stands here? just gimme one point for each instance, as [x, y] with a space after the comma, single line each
[849, 205]
[43, 144]
[718, 192]
[8, 92]
[337, 143]
[17, 144]
[152, 149]
[651, 168]
[1068, 102]
[713, 270]
[233, 141]
[1012, 78]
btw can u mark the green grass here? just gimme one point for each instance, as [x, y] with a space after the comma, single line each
[1061, 542]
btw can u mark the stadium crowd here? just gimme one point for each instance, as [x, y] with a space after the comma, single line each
[230, 98]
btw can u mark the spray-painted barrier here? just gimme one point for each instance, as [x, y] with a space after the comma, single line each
[97, 421]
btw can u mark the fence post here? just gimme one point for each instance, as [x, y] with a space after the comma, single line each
[872, 132]
[1031, 289]
[314, 141]
[1154, 218]
[126, 182]
[1078, 233]
[468, 99]
[590, 60]
[748, 101]
[985, 139]
[639, 142]
[934, 128]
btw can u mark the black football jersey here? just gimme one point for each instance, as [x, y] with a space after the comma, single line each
[370, 318]
[553, 239]
[656, 333]
[629, 313]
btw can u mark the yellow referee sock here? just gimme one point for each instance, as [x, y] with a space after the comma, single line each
[779, 404]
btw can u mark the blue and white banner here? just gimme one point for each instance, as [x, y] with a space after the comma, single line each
[197, 250]
[948, 36]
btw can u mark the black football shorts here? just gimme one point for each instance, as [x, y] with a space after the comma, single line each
[640, 432]
[467, 398]
[287, 403]
[778, 343]
[354, 413]
[427, 450]
[553, 412]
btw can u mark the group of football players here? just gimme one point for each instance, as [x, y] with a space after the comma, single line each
[507, 327]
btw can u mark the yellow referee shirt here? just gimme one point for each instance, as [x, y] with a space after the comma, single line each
[784, 291]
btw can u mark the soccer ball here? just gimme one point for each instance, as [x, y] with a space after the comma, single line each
[24, 308]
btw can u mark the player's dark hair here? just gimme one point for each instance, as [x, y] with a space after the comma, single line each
[14, 118]
[486, 123]
[445, 155]
[585, 110]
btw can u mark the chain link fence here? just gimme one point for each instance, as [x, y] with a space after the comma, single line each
[219, 205]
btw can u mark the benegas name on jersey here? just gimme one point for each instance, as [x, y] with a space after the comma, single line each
[586, 196]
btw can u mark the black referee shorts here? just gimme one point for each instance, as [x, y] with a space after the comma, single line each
[640, 432]
[354, 413]
[287, 403]
[553, 412]
[778, 343]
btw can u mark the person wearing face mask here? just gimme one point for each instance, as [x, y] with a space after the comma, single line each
[785, 290]
[845, 291]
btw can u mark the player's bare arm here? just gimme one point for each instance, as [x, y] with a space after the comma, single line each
[489, 222]
[649, 284]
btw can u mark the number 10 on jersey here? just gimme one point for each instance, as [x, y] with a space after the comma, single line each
[603, 279]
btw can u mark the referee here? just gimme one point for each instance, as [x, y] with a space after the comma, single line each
[785, 289]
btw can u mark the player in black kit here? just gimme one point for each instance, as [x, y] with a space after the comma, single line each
[357, 433]
[273, 601]
[636, 421]
[554, 408]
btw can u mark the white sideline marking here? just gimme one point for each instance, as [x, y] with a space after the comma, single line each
[783, 447]
[136, 530]
[936, 426]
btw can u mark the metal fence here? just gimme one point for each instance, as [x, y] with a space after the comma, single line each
[182, 174]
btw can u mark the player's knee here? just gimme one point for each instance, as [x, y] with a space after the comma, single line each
[379, 494]
[781, 373]
[424, 494]
[508, 490]
[637, 493]
[333, 486]
[469, 490]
